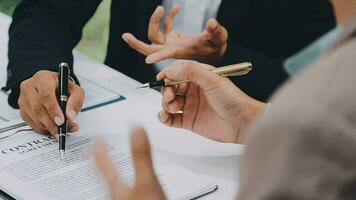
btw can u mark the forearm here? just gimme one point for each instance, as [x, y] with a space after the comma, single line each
[251, 111]
[41, 36]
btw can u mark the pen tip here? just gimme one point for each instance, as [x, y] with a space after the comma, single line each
[61, 154]
[146, 85]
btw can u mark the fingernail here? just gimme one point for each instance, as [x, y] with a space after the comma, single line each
[149, 60]
[124, 37]
[158, 7]
[72, 115]
[57, 137]
[58, 120]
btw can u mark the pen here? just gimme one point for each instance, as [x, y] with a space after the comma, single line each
[230, 70]
[63, 78]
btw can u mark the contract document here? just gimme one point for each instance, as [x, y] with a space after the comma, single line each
[30, 168]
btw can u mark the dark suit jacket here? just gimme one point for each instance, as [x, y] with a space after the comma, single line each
[44, 32]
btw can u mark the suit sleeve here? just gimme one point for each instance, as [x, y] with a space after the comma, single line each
[267, 73]
[307, 23]
[43, 33]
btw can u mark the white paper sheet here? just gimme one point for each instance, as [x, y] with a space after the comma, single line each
[6, 112]
[30, 168]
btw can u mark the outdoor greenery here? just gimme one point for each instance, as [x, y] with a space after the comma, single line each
[95, 33]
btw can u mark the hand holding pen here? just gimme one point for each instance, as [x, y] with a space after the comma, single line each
[226, 71]
[39, 106]
[208, 104]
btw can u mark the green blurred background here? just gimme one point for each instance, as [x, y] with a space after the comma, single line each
[95, 33]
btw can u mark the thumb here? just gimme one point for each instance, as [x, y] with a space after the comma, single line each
[196, 72]
[217, 34]
[142, 159]
[75, 101]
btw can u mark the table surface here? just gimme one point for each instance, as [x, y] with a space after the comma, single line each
[215, 160]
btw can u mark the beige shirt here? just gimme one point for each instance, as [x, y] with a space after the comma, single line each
[305, 147]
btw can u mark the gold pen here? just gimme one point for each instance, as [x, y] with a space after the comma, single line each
[226, 71]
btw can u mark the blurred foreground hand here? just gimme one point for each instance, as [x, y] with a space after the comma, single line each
[146, 185]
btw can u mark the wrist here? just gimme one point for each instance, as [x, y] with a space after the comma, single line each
[250, 112]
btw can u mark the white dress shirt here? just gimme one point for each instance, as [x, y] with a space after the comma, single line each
[192, 17]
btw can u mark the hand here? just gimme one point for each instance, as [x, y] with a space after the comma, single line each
[207, 47]
[209, 105]
[146, 183]
[39, 106]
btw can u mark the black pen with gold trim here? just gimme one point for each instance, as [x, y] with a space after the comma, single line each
[63, 79]
[226, 71]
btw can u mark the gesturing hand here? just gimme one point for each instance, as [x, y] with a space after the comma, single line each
[209, 105]
[208, 47]
[39, 106]
[146, 184]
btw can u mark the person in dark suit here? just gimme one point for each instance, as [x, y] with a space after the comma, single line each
[43, 34]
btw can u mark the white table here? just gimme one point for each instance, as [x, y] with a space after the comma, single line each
[219, 161]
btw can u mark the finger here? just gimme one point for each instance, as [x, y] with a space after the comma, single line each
[154, 33]
[49, 124]
[171, 120]
[217, 34]
[75, 101]
[31, 123]
[107, 168]
[38, 113]
[169, 24]
[43, 111]
[73, 127]
[182, 89]
[140, 46]
[163, 116]
[172, 102]
[165, 53]
[25, 89]
[46, 86]
[40, 117]
[176, 105]
[197, 73]
[169, 94]
[141, 153]
[177, 121]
